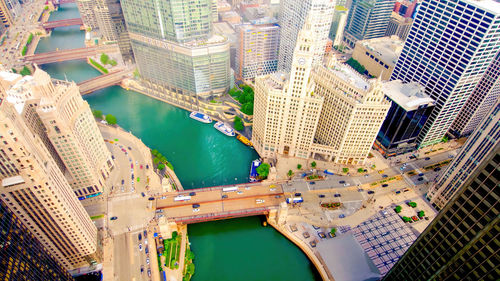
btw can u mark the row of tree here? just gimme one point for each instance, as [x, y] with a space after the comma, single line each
[110, 119]
[245, 97]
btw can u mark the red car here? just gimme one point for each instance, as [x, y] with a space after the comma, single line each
[414, 218]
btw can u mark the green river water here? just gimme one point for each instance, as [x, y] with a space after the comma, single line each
[232, 250]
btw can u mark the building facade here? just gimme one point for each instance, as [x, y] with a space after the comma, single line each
[9, 9]
[367, 19]
[22, 256]
[178, 35]
[292, 17]
[257, 50]
[338, 24]
[87, 12]
[480, 143]
[410, 109]
[399, 26]
[35, 189]
[448, 58]
[483, 97]
[378, 55]
[461, 243]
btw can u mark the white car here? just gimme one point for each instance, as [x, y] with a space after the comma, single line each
[140, 247]
[146, 241]
[240, 192]
[147, 260]
[346, 184]
[196, 210]
[272, 189]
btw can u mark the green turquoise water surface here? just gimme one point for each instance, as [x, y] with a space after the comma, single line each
[229, 250]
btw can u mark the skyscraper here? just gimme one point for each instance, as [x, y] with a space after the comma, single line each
[22, 256]
[367, 19]
[449, 48]
[174, 46]
[483, 97]
[34, 188]
[484, 139]
[292, 17]
[462, 241]
[9, 9]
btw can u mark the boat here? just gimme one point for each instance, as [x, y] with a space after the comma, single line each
[225, 129]
[244, 140]
[253, 170]
[200, 117]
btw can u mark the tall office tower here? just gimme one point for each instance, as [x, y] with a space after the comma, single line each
[352, 113]
[104, 22]
[338, 25]
[57, 113]
[286, 111]
[410, 108]
[87, 8]
[9, 9]
[367, 19]
[461, 243]
[398, 25]
[37, 192]
[448, 58]
[292, 17]
[484, 139]
[117, 30]
[257, 50]
[483, 97]
[22, 256]
[177, 35]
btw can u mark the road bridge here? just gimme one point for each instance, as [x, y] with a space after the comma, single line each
[71, 54]
[216, 204]
[59, 2]
[103, 81]
[60, 23]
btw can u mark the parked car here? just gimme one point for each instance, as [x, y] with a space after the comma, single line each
[149, 272]
[437, 169]
[113, 218]
[421, 174]
[321, 196]
[384, 176]
[312, 182]
[196, 210]
[129, 148]
[385, 185]
[420, 179]
[123, 181]
[298, 194]
[337, 195]
[341, 182]
[277, 196]
[427, 158]
[347, 184]
[341, 216]
[140, 247]
[147, 248]
[145, 234]
[196, 205]
[224, 196]
[143, 194]
[371, 192]
[192, 193]
[147, 166]
[147, 260]
[151, 198]
[139, 237]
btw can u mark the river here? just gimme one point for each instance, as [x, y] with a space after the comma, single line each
[236, 249]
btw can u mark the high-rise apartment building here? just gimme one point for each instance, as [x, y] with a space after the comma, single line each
[177, 35]
[461, 243]
[448, 50]
[483, 140]
[330, 113]
[292, 17]
[22, 256]
[367, 19]
[398, 25]
[35, 189]
[483, 97]
[257, 50]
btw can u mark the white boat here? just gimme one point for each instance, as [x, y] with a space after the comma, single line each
[200, 117]
[225, 129]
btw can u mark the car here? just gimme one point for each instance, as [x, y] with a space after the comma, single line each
[421, 174]
[321, 196]
[147, 248]
[145, 234]
[366, 175]
[224, 196]
[132, 166]
[360, 190]
[365, 170]
[113, 218]
[123, 181]
[420, 179]
[336, 195]
[341, 182]
[196, 205]
[427, 158]
[123, 188]
[196, 210]
[277, 196]
[140, 247]
[142, 269]
[346, 184]
[406, 190]
[139, 236]
[192, 193]
[159, 211]
[370, 192]
[129, 148]
[312, 182]
[315, 227]
[241, 192]
[112, 157]
[147, 166]
[341, 216]
[149, 272]
[136, 162]
[272, 189]
[164, 197]
[151, 198]
[397, 191]
[385, 185]
[132, 177]
[141, 166]
[384, 176]
[143, 194]
[437, 169]
[298, 194]
[247, 188]
[147, 260]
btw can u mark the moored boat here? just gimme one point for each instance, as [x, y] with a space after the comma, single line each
[244, 140]
[253, 170]
[224, 128]
[196, 115]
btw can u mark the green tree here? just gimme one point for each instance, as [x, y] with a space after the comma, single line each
[113, 62]
[247, 108]
[333, 231]
[163, 159]
[345, 170]
[313, 164]
[263, 170]
[154, 152]
[235, 92]
[170, 166]
[290, 173]
[25, 49]
[97, 113]
[412, 204]
[360, 170]
[356, 65]
[30, 38]
[238, 124]
[161, 166]
[13, 70]
[25, 71]
[111, 119]
[156, 160]
[445, 139]
[299, 166]
[46, 8]
[189, 254]
[421, 214]
[104, 59]
[247, 89]
[406, 219]
[190, 268]
[398, 209]
[174, 235]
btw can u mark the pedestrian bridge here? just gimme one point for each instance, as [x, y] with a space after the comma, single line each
[60, 23]
[71, 54]
[216, 204]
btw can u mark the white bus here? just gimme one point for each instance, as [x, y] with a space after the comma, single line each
[230, 188]
[17, 46]
[182, 198]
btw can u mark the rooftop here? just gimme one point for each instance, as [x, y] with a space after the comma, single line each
[487, 5]
[407, 95]
[349, 75]
[387, 48]
[12, 181]
[9, 76]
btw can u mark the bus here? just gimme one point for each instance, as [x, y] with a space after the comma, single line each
[182, 198]
[294, 200]
[17, 45]
[230, 189]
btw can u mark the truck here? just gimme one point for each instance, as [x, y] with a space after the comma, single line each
[295, 200]
[230, 188]
[182, 198]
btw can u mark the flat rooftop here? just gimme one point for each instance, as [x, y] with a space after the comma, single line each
[487, 5]
[386, 48]
[12, 181]
[349, 75]
[9, 76]
[407, 95]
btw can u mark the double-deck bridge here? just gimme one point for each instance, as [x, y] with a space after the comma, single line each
[71, 54]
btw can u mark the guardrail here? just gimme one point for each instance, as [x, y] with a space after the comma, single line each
[217, 216]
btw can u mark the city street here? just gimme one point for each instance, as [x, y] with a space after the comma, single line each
[128, 259]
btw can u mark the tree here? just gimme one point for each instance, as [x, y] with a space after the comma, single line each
[30, 38]
[154, 152]
[97, 113]
[156, 160]
[247, 108]
[170, 166]
[290, 173]
[161, 166]
[360, 170]
[25, 49]
[313, 164]
[190, 268]
[412, 204]
[235, 92]
[25, 71]
[113, 62]
[104, 58]
[356, 65]
[263, 170]
[13, 70]
[174, 235]
[345, 170]
[398, 209]
[406, 219]
[163, 159]
[333, 231]
[445, 139]
[238, 124]
[421, 214]
[299, 166]
[111, 119]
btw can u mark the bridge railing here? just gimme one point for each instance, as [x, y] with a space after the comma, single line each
[216, 216]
